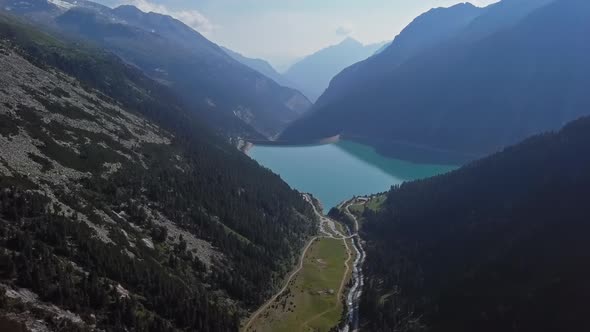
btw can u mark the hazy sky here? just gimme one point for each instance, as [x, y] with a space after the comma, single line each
[283, 30]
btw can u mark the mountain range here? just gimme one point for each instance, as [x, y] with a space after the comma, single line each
[238, 101]
[314, 72]
[125, 205]
[261, 66]
[496, 74]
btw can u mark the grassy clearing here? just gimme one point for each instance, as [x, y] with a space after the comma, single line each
[376, 203]
[311, 302]
[357, 209]
[341, 228]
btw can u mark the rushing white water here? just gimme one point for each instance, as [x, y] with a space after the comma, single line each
[355, 292]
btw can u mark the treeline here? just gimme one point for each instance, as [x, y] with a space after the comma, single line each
[499, 245]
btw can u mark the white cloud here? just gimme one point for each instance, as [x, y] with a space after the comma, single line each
[192, 18]
[343, 31]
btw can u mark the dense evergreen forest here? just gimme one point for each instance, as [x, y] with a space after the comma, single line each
[197, 186]
[498, 245]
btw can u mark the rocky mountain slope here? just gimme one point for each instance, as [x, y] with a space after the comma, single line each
[118, 209]
[227, 94]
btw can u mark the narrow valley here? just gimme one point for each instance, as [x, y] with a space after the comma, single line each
[294, 166]
[305, 301]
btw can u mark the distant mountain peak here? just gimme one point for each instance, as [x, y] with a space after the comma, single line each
[350, 41]
[314, 72]
[128, 9]
[137, 13]
[465, 4]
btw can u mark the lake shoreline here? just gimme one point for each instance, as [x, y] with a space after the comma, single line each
[412, 152]
[321, 141]
[335, 172]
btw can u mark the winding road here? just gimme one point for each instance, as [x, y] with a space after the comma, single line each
[327, 229]
[356, 290]
[335, 235]
[291, 276]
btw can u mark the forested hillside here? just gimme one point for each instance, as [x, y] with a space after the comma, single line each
[119, 210]
[499, 80]
[426, 31]
[498, 245]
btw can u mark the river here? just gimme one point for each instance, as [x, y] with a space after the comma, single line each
[336, 172]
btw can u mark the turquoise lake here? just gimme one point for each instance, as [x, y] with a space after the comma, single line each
[336, 172]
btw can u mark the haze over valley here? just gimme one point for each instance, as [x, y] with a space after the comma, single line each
[395, 166]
